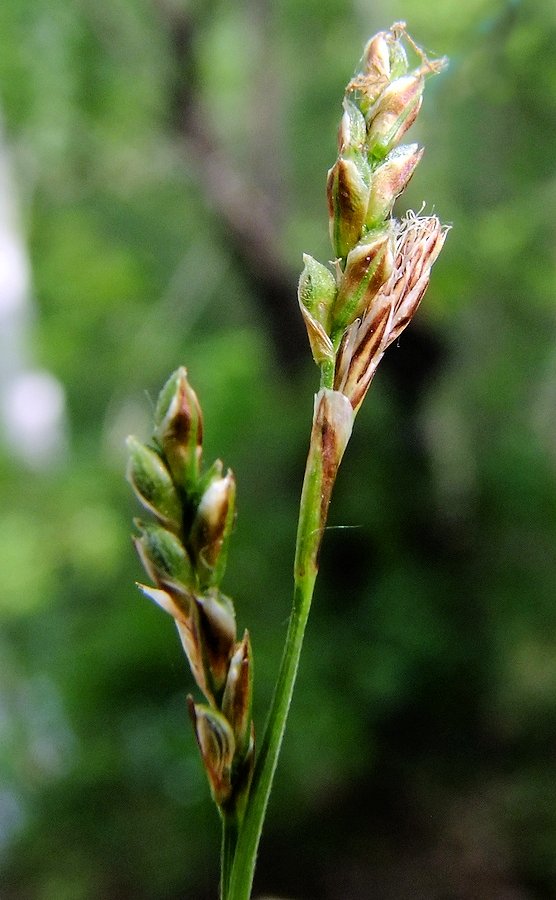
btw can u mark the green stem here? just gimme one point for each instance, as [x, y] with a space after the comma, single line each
[312, 518]
[327, 374]
[229, 841]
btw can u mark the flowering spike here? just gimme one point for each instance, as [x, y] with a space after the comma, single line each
[184, 554]
[380, 104]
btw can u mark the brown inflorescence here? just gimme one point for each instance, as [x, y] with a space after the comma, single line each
[419, 240]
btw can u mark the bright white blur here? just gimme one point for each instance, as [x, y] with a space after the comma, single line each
[32, 403]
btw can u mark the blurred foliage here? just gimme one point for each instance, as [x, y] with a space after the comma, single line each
[419, 761]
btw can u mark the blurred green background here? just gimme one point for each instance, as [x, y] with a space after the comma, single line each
[162, 168]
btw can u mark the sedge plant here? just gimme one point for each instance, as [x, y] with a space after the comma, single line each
[353, 309]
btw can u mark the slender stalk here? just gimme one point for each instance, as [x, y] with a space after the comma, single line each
[229, 841]
[312, 519]
[327, 375]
